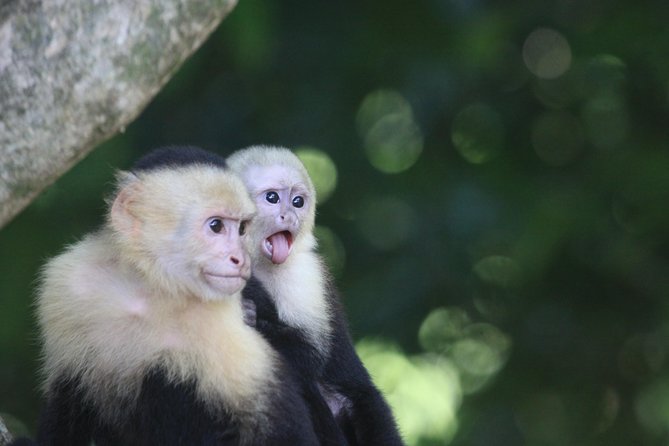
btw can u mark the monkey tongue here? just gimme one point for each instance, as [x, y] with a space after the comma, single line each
[280, 246]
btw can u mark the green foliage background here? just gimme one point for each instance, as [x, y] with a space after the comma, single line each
[498, 226]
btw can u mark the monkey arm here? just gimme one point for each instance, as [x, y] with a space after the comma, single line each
[300, 356]
[265, 309]
[290, 342]
[303, 358]
[365, 417]
[325, 424]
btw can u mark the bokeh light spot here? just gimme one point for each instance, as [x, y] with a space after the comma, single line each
[379, 104]
[393, 141]
[604, 73]
[423, 392]
[606, 120]
[496, 280]
[394, 144]
[642, 356]
[322, 170]
[557, 138]
[609, 410]
[498, 270]
[332, 249]
[652, 407]
[546, 53]
[477, 350]
[478, 133]
[475, 357]
[387, 222]
[441, 328]
[385, 363]
[480, 354]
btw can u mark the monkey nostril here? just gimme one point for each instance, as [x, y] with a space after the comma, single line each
[234, 260]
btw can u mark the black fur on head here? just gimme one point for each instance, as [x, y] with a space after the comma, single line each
[177, 156]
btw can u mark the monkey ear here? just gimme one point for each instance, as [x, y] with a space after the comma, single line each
[123, 215]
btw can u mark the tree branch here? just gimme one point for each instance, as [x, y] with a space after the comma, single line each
[5, 436]
[75, 72]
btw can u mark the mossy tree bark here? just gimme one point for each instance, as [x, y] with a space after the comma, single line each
[5, 436]
[75, 72]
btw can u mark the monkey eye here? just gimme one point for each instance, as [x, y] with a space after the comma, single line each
[298, 201]
[242, 227]
[272, 197]
[216, 225]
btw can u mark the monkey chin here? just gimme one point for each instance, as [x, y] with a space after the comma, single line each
[224, 285]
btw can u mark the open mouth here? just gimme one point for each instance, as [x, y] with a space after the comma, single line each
[277, 246]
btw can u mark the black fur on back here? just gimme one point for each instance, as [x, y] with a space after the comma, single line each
[177, 156]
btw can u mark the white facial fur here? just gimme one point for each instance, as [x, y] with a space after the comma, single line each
[298, 285]
[104, 323]
[158, 287]
[283, 201]
[188, 244]
[224, 263]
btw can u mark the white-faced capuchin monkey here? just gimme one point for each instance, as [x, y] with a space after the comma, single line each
[144, 337]
[294, 303]
[297, 307]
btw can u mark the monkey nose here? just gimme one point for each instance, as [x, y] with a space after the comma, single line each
[288, 218]
[237, 259]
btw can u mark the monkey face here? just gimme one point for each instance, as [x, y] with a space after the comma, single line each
[284, 204]
[224, 264]
[185, 229]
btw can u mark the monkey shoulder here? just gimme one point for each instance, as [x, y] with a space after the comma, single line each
[299, 291]
[104, 326]
[86, 273]
[292, 343]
